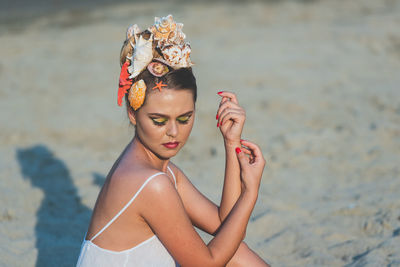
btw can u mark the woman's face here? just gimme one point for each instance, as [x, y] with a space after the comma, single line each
[164, 123]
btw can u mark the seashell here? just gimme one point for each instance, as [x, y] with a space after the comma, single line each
[177, 37]
[142, 55]
[163, 27]
[156, 52]
[164, 44]
[132, 31]
[126, 52]
[158, 69]
[137, 94]
[177, 56]
[129, 44]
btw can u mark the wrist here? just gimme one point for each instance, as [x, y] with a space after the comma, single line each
[249, 195]
[232, 143]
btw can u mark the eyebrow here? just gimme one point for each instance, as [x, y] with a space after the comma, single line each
[166, 116]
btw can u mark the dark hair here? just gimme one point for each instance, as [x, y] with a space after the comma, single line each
[180, 79]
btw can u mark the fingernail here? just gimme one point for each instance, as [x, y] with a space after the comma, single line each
[216, 117]
[241, 140]
[220, 92]
[238, 150]
[217, 124]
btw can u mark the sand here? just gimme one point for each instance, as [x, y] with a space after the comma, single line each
[320, 81]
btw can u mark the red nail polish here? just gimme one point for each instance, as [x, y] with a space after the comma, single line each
[238, 150]
[220, 92]
[216, 117]
[217, 124]
[241, 140]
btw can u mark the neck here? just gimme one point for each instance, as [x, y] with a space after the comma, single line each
[144, 154]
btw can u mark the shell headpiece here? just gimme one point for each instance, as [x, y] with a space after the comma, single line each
[158, 48]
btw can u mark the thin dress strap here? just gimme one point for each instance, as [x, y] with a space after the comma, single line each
[173, 175]
[127, 205]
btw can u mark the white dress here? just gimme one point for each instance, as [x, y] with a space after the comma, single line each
[150, 252]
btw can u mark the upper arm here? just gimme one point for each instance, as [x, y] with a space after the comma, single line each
[165, 214]
[202, 212]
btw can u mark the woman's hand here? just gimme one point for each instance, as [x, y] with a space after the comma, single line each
[251, 166]
[230, 117]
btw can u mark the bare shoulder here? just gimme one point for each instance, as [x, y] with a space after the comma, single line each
[158, 196]
[125, 182]
[179, 174]
[161, 184]
[133, 175]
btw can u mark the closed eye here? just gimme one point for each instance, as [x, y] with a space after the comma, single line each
[159, 121]
[183, 119]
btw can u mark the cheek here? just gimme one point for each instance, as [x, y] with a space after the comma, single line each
[149, 131]
[187, 130]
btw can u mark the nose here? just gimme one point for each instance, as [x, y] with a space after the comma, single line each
[172, 129]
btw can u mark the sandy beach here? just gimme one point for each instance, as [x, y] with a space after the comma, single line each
[320, 82]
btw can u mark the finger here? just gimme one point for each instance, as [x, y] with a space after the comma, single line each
[228, 110]
[226, 105]
[223, 100]
[229, 100]
[230, 95]
[246, 151]
[252, 159]
[256, 151]
[243, 161]
[249, 153]
[231, 119]
[232, 115]
[229, 104]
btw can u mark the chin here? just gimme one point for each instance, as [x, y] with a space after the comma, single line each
[164, 155]
[171, 154]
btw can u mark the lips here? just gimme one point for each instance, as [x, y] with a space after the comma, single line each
[171, 145]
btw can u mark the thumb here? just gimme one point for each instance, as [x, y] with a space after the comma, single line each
[241, 157]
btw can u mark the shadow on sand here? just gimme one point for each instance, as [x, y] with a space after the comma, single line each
[62, 219]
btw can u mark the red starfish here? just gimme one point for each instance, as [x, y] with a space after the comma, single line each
[159, 85]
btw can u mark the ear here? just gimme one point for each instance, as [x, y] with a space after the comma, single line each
[132, 116]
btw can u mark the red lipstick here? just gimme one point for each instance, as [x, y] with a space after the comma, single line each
[171, 145]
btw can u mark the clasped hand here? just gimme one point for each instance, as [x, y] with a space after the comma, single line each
[231, 117]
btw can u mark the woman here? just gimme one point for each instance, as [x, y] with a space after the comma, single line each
[145, 212]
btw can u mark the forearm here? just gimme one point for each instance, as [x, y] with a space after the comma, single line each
[227, 240]
[225, 243]
[232, 185]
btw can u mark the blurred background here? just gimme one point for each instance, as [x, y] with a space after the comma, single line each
[320, 82]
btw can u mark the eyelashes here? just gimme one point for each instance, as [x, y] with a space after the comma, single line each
[159, 121]
[183, 119]
[162, 121]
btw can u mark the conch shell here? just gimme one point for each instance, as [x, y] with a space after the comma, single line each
[167, 31]
[163, 27]
[177, 56]
[177, 37]
[137, 94]
[131, 33]
[142, 50]
[175, 52]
